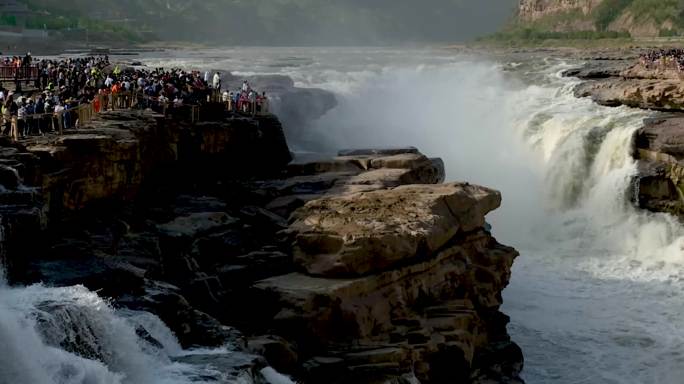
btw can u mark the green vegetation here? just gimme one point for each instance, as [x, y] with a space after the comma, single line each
[535, 34]
[608, 11]
[8, 20]
[656, 10]
[611, 19]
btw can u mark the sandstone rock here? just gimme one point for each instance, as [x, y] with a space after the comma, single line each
[663, 95]
[232, 367]
[597, 70]
[393, 285]
[390, 307]
[377, 151]
[374, 231]
[197, 224]
[660, 151]
[662, 135]
[277, 351]
[404, 160]
[285, 205]
[340, 165]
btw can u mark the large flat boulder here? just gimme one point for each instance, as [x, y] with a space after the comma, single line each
[656, 94]
[662, 135]
[368, 232]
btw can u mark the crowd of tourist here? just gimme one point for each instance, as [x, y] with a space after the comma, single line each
[672, 58]
[50, 97]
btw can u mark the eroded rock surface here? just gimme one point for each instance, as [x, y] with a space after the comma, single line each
[360, 268]
[625, 83]
[659, 144]
[660, 151]
[397, 282]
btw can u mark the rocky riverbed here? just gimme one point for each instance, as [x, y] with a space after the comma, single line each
[360, 268]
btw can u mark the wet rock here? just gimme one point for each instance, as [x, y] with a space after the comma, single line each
[278, 352]
[197, 224]
[231, 367]
[9, 177]
[597, 69]
[378, 151]
[659, 147]
[192, 327]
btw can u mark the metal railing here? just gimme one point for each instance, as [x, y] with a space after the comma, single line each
[86, 112]
[12, 72]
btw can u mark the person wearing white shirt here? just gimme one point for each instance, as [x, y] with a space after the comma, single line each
[59, 117]
[21, 120]
[217, 81]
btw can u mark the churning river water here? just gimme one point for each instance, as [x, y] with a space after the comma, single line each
[597, 294]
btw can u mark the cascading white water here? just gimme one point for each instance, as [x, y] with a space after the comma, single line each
[71, 336]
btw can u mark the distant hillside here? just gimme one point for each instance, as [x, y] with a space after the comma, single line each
[638, 18]
[293, 22]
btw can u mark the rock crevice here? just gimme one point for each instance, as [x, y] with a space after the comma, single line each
[361, 268]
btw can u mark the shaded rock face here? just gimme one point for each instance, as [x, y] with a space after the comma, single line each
[659, 144]
[659, 147]
[396, 282]
[114, 157]
[361, 268]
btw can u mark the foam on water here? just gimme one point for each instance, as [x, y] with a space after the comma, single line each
[71, 336]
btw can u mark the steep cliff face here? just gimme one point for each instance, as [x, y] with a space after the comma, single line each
[660, 150]
[637, 17]
[361, 268]
[533, 10]
[659, 143]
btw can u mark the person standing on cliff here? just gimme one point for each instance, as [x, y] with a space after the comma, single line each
[6, 117]
[217, 82]
[13, 109]
[21, 120]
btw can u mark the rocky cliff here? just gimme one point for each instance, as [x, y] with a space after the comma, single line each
[534, 10]
[660, 151]
[361, 268]
[659, 143]
[636, 17]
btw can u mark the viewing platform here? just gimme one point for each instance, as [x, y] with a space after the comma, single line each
[11, 73]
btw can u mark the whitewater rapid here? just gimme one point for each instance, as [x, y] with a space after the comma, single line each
[596, 296]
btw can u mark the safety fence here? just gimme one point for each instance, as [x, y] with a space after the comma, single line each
[12, 72]
[79, 115]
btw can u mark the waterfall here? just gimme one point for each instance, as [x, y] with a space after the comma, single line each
[72, 336]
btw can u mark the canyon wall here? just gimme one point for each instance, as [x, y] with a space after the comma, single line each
[361, 268]
[533, 10]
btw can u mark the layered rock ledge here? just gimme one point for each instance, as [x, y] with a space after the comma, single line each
[659, 143]
[659, 147]
[359, 268]
[625, 83]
